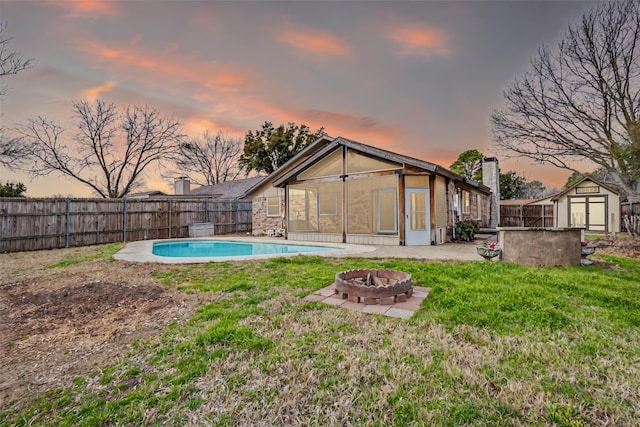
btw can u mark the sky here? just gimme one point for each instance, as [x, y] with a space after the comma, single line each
[420, 78]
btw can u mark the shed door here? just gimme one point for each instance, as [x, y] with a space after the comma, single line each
[589, 212]
[417, 230]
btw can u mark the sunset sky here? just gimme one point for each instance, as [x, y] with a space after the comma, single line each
[418, 78]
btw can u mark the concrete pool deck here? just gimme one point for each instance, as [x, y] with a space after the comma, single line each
[140, 251]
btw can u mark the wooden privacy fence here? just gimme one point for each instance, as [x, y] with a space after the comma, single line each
[526, 215]
[32, 224]
[632, 213]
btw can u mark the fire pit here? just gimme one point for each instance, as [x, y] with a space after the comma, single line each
[374, 286]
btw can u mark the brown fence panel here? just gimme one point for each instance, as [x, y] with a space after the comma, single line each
[526, 216]
[29, 224]
[628, 209]
[32, 224]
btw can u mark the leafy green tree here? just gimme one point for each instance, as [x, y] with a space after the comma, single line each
[510, 185]
[12, 190]
[266, 149]
[469, 165]
[573, 178]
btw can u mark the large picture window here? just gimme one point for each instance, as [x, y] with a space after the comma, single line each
[316, 207]
[372, 205]
[387, 212]
[328, 204]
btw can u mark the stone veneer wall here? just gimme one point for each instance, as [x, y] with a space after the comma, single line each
[262, 222]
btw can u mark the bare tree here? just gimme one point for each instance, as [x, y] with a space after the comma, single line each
[11, 62]
[110, 151]
[210, 160]
[581, 100]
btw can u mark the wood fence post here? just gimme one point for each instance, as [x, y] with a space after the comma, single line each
[124, 219]
[169, 200]
[68, 222]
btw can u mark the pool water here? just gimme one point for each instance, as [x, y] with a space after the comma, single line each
[218, 248]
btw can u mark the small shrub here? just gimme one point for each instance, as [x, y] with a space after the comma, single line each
[466, 230]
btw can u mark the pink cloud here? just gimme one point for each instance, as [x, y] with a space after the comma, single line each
[166, 65]
[87, 7]
[95, 92]
[419, 40]
[313, 42]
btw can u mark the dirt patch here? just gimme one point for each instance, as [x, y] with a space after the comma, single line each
[61, 323]
[621, 245]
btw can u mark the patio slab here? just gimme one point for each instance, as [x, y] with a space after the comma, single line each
[402, 310]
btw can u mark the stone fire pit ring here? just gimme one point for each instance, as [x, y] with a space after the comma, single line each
[371, 287]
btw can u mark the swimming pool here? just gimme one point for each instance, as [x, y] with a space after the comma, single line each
[225, 248]
[147, 250]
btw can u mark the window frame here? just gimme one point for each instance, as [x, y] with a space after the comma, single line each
[466, 202]
[335, 204]
[268, 205]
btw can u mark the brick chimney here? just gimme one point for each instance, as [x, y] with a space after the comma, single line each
[491, 178]
[182, 186]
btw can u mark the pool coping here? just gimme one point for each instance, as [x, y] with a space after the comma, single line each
[140, 251]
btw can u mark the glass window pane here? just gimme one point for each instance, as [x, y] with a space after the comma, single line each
[316, 207]
[357, 162]
[577, 212]
[466, 202]
[417, 211]
[329, 166]
[301, 213]
[362, 206]
[416, 181]
[597, 219]
[387, 219]
[273, 206]
[328, 203]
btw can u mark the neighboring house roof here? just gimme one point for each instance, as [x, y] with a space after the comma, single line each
[520, 202]
[236, 189]
[586, 178]
[147, 194]
[326, 146]
[515, 202]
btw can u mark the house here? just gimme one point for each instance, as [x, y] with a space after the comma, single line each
[339, 190]
[588, 203]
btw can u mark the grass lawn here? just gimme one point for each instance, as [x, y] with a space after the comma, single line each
[495, 344]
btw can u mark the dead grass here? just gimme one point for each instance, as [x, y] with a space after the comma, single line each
[234, 344]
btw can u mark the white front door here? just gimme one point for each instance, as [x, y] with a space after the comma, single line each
[417, 229]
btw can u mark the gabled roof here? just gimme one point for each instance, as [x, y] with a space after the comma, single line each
[307, 151]
[376, 152]
[236, 189]
[586, 178]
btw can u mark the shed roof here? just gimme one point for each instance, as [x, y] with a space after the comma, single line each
[585, 178]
